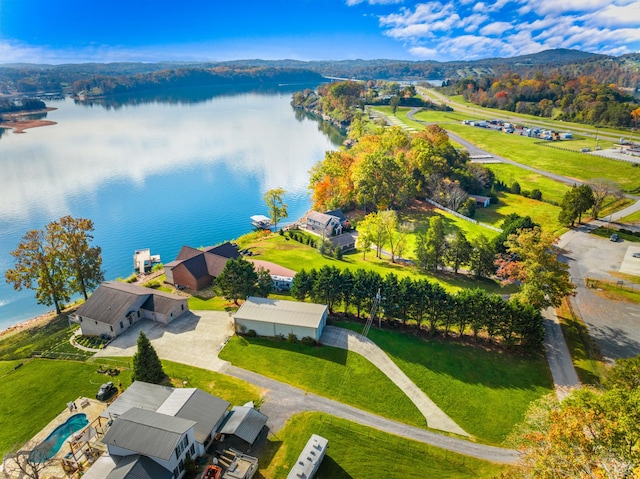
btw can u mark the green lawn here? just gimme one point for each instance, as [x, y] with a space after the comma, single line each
[32, 395]
[545, 214]
[532, 152]
[331, 372]
[360, 452]
[584, 351]
[485, 392]
[296, 256]
[552, 190]
[231, 389]
[633, 218]
[51, 336]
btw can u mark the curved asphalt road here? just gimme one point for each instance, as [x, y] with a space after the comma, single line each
[283, 400]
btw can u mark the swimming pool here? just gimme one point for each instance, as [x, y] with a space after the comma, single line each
[54, 441]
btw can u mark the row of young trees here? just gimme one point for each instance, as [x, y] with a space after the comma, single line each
[57, 262]
[424, 303]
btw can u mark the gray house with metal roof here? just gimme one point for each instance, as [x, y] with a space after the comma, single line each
[163, 424]
[271, 317]
[115, 306]
[166, 440]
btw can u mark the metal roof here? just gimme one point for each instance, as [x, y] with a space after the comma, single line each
[141, 395]
[244, 422]
[206, 410]
[147, 432]
[139, 467]
[292, 313]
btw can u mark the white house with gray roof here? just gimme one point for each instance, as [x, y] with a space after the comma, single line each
[167, 441]
[115, 306]
[271, 317]
[162, 424]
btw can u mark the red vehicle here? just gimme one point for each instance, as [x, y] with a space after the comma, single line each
[211, 472]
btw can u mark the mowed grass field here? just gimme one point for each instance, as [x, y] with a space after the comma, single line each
[552, 190]
[486, 392]
[360, 452]
[297, 256]
[531, 152]
[37, 391]
[330, 372]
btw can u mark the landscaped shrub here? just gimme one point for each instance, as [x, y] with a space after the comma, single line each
[536, 194]
[515, 188]
[308, 341]
[251, 333]
[279, 337]
[292, 338]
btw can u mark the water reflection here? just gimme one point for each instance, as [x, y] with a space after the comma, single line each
[257, 135]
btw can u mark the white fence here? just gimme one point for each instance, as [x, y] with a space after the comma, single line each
[466, 218]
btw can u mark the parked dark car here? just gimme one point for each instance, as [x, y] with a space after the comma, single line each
[106, 391]
[613, 237]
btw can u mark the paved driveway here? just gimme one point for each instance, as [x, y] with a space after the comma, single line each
[194, 339]
[614, 325]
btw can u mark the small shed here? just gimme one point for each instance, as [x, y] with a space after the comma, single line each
[481, 201]
[243, 426]
[271, 317]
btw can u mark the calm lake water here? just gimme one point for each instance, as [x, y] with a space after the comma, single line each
[184, 167]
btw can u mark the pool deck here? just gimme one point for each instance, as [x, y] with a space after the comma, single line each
[92, 408]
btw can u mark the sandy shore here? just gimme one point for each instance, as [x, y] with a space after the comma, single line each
[12, 120]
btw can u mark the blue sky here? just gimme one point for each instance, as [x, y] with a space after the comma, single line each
[69, 31]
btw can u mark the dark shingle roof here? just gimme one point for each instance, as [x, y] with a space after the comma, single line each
[187, 252]
[244, 422]
[226, 250]
[113, 300]
[338, 214]
[147, 432]
[138, 467]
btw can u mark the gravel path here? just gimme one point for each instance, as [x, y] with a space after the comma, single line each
[282, 401]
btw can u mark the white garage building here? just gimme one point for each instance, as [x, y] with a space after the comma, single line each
[270, 317]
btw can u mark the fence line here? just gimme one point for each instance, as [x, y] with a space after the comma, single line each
[79, 357]
[461, 216]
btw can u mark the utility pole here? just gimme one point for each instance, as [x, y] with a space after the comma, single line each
[374, 312]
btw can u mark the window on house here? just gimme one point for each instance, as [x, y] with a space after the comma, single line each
[181, 307]
[138, 313]
[176, 472]
[111, 328]
[193, 449]
[181, 465]
[121, 325]
[185, 442]
[96, 322]
[80, 318]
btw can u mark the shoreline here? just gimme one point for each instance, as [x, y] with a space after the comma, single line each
[12, 120]
[28, 324]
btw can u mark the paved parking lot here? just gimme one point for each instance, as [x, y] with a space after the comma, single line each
[614, 325]
[194, 339]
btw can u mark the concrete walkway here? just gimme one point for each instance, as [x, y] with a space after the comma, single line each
[565, 378]
[345, 339]
[282, 401]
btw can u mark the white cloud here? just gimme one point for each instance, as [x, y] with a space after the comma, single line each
[424, 52]
[613, 16]
[480, 7]
[496, 28]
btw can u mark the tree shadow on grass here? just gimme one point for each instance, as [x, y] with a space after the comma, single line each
[330, 469]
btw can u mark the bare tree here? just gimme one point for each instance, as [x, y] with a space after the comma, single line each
[602, 188]
[29, 461]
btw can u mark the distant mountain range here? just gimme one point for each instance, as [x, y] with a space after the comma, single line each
[623, 70]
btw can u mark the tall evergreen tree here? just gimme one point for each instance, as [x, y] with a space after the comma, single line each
[146, 363]
[459, 251]
[237, 280]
